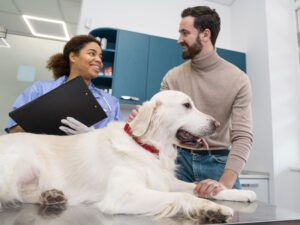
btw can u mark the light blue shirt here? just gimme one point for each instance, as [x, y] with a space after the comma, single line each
[109, 103]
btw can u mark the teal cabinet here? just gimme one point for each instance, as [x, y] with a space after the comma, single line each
[138, 61]
[236, 58]
[130, 76]
[163, 55]
[134, 64]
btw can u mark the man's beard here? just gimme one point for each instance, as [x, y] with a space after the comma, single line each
[192, 50]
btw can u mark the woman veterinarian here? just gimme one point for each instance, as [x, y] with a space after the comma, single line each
[82, 56]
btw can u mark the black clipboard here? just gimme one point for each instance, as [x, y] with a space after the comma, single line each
[73, 98]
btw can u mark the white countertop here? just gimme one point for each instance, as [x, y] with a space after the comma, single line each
[246, 174]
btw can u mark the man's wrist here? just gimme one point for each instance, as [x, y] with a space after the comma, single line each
[228, 178]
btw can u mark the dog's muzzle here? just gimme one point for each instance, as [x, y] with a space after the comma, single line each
[187, 139]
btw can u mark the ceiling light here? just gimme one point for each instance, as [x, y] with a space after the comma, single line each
[5, 43]
[62, 23]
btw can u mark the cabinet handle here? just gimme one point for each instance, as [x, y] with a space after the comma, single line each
[249, 185]
[131, 98]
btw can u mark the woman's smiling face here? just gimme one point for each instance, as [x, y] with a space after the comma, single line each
[88, 62]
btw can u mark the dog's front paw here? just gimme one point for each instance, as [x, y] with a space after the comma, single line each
[249, 195]
[53, 197]
[236, 195]
[244, 196]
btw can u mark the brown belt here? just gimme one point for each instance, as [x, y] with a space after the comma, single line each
[206, 152]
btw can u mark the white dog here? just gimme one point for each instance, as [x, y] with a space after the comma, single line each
[119, 169]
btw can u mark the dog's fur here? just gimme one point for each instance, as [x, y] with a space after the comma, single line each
[108, 168]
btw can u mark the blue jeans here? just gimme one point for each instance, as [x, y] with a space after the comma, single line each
[194, 167]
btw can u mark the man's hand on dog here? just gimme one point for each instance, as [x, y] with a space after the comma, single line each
[133, 113]
[208, 188]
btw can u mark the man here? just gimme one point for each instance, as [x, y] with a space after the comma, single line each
[219, 89]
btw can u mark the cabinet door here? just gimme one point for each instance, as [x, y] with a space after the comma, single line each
[163, 55]
[236, 58]
[130, 66]
[259, 186]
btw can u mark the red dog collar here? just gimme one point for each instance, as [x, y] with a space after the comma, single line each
[149, 148]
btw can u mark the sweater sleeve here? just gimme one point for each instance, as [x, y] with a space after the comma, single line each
[165, 83]
[241, 131]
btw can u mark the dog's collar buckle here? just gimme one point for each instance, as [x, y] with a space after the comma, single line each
[149, 148]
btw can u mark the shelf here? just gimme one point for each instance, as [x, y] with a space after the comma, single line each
[103, 82]
[104, 77]
[108, 55]
[112, 51]
[109, 33]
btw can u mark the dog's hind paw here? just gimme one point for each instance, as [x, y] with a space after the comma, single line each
[209, 211]
[217, 214]
[53, 197]
[51, 210]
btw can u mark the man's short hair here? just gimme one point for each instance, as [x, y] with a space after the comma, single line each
[205, 18]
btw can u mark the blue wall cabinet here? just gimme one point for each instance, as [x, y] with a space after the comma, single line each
[130, 77]
[236, 58]
[163, 55]
[138, 61]
[134, 64]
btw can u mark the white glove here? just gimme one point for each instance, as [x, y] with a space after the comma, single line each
[74, 126]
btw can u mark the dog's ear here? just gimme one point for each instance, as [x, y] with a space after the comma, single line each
[141, 122]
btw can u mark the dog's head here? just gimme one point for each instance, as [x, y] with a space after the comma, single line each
[170, 117]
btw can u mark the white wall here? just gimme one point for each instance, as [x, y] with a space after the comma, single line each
[252, 39]
[156, 17]
[284, 77]
[24, 51]
[266, 29]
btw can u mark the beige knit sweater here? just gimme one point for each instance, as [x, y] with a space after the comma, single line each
[221, 90]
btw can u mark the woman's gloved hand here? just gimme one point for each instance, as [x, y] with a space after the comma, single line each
[74, 126]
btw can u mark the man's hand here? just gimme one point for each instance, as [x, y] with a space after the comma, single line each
[133, 113]
[74, 126]
[207, 188]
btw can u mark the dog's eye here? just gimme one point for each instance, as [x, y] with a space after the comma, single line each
[187, 105]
